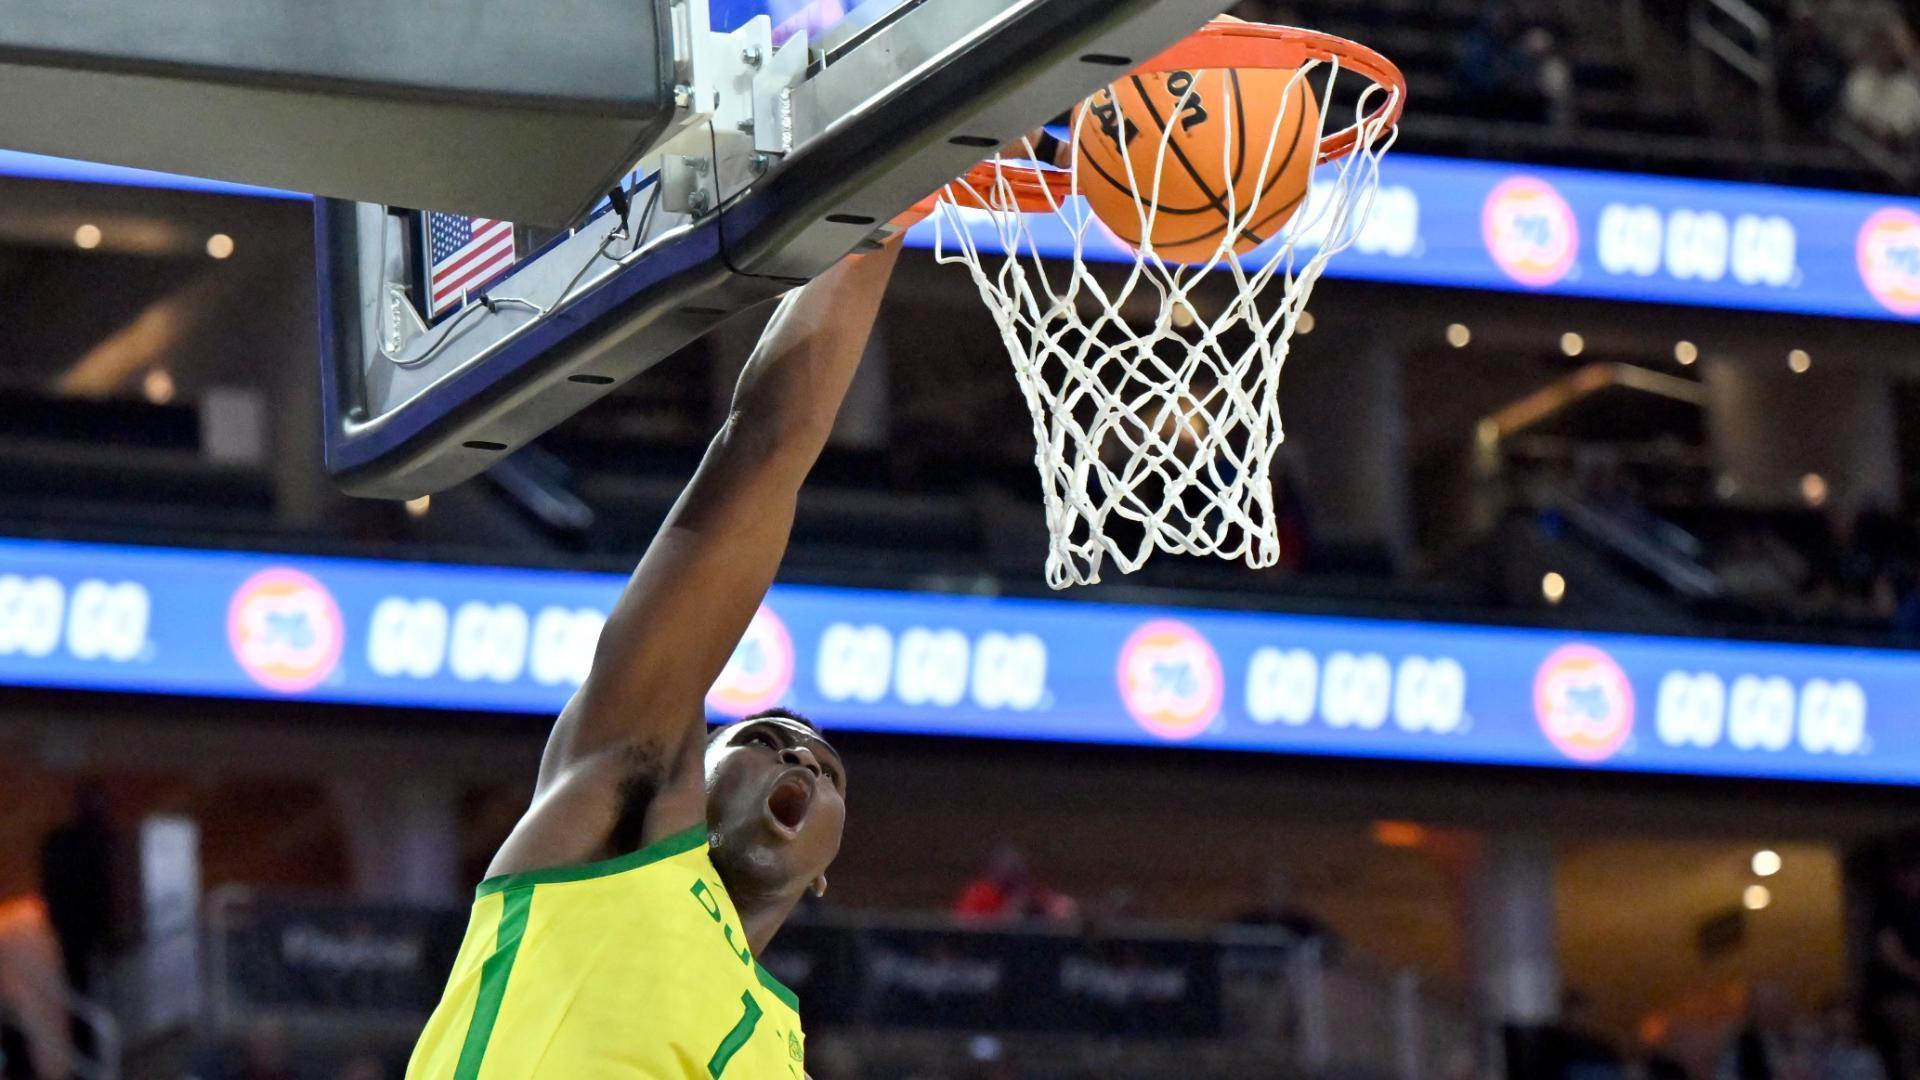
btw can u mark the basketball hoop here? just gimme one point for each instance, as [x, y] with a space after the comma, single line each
[1159, 435]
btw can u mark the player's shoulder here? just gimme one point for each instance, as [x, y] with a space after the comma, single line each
[684, 850]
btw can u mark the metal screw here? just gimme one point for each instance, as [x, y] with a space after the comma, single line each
[745, 126]
[697, 202]
[751, 55]
[760, 164]
[683, 96]
[698, 165]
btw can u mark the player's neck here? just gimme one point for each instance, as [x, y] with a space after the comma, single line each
[762, 916]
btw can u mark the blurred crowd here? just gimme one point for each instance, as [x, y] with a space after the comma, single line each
[1854, 565]
[1854, 63]
[1513, 67]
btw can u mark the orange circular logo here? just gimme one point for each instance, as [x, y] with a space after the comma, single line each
[1584, 703]
[1889, 255]
[285, 630]
[1170, 679]
[1530, 231]
[760, 670]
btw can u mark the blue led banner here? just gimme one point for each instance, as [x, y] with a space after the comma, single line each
[1471, 225]
[1474, 225]
[97, 617]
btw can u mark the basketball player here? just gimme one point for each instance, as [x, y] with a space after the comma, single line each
[617, 931]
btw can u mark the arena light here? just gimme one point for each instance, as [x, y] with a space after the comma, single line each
[220, 245]
[86, 237]
[1813, 488]
[157, 386]
[1399, 834]
[1572, 344]
[1686, 352]
[1553, 587]
[1766, 863]
[1756, 897]
[1459, 336]
[1798, 361]
[418, 507]
[1305, 325]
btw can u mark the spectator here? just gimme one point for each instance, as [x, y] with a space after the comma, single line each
[1552, 75]
[1813, 71]
[1007, 890]
[76, 878]
[1883, 94]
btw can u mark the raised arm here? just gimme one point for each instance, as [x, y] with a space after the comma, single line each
[624, 764]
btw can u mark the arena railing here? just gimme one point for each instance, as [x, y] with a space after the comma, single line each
[346, 973]
[1741, 37]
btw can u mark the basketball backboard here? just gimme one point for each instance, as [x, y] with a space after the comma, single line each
[462, 105]
[799, 129]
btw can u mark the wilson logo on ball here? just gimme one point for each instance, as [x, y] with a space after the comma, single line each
[1170, 679]
[1530, 231]
[1584, 703]
[1889, 257]
[760, 670]
[285, 630]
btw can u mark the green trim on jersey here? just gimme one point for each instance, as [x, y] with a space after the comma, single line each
[493, 981]
[737, 1038]
[678, 844]
[779, 988]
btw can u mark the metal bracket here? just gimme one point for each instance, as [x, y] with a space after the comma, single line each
[736, 101]
[400, 319]
[686, 184]
[773, 96]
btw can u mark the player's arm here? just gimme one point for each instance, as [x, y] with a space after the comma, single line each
[632, 740]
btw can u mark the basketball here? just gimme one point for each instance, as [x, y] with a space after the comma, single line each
[1213, 177]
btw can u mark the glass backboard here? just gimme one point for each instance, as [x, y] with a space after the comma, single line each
[801, 128]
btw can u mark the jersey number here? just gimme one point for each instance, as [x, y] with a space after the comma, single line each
[736, 1038]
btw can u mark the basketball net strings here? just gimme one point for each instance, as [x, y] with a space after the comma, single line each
[1194, 437]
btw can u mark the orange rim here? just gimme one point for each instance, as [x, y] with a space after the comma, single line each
[1219, 44]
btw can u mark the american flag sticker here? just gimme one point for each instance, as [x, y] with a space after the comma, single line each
[463, 255]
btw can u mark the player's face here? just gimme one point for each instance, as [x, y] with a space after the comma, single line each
[776, 805]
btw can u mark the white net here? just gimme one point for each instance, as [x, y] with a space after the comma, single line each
[1154, 387]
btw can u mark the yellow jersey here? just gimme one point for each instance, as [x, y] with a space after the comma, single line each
[633, 967]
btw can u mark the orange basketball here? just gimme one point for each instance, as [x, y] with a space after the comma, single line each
[1211, 179]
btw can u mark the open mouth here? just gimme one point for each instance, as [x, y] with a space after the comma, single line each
[788, 801]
